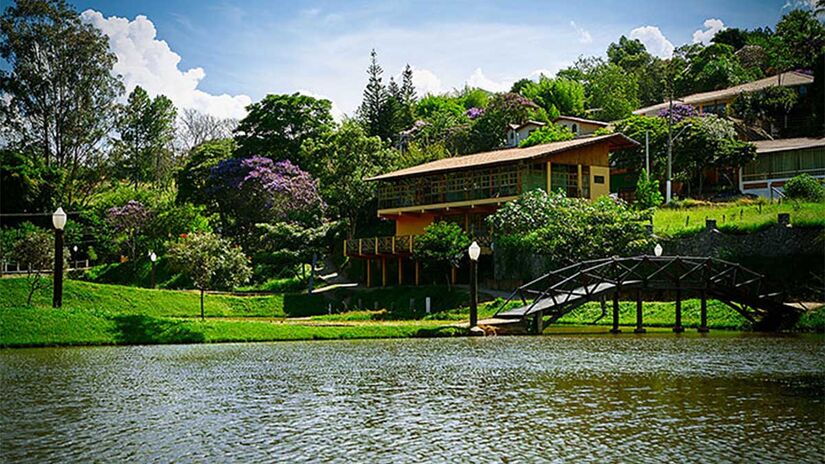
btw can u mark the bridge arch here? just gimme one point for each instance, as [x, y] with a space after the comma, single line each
[558, 292]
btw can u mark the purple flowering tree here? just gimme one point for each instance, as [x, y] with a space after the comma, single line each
[680, 112]
[474, 112]
[129, 220]
[256, 190]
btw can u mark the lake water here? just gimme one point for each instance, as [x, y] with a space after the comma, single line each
[558, 398]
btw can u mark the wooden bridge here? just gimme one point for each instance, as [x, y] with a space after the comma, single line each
[557, 293]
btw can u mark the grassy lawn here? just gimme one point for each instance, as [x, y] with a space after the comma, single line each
[735, 217]
[95, 314]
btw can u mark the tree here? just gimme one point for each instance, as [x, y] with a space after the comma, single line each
[147, 129]
[736, 38]
[195, 128]
[443, 244]
[708, 141]
[636, 127]
[489, 129]
[567, 230]
[556, 96]
[257, 190]
[285, 245]
[714, 67]
[210, 261]
[798, 40]
[34, 250]
[628, 54]
[547, 134]
[612, 93]
[130, 220]
[647, 192]
[192, 179]
[276, 127]
[376, 111]
[59, 89]
[346, 158]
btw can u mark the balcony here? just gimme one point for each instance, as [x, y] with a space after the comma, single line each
[459, 187]
[401, 245]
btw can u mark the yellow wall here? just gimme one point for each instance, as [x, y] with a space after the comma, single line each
[597, 190]
[412, 224]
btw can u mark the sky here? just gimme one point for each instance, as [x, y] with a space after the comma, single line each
[218, 56]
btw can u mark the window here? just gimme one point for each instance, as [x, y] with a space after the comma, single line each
[598, 179]
[574, 128]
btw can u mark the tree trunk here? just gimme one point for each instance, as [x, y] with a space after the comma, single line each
[32, 289]
[202, 318]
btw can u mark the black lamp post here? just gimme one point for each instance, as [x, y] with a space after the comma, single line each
[59, 222]
[474, 251]
[153, 257]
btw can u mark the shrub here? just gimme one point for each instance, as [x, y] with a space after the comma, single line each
[805, 187]
[547, 134]
[443, 244]
[647, 192]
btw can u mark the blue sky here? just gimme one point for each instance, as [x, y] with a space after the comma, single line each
[217, 56]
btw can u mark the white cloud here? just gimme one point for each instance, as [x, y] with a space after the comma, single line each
[336, 112]
[712, 26]
[144, 60]
[653, 39]
[425, 81]
[478, 79]
[584, 36]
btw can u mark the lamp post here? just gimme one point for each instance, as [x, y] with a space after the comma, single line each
[153, 257]
[474, 251]
[59, 222]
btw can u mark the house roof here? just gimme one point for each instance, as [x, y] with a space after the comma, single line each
[531, 122]
[582, 120]
[801, 143]
[617, 141]
[788, 79]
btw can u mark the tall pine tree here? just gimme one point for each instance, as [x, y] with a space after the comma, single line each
[376, 111]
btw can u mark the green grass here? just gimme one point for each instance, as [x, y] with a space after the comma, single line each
[659, 314]
[740, 217]
[98, 314]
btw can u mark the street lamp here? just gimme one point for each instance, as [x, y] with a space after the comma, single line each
[59, 222]
[658, 250]
[474, 251]
[153, 257]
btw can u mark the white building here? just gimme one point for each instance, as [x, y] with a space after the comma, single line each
[580, 126]
[518, 132]
[780, 160]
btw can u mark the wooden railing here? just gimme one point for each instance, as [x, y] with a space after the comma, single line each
[395, 245]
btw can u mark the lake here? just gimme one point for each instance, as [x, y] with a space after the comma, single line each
[559, 398]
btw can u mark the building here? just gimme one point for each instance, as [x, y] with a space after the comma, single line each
[518, 132]
[466, 189]
[580, 126]
[718, 101]
[780, 160]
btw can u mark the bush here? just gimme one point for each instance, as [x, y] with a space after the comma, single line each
[647, 192]
[805, 187]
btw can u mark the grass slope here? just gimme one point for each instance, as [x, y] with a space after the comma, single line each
[95, 314]
[735, 217]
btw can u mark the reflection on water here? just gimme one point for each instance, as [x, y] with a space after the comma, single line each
[654, 398]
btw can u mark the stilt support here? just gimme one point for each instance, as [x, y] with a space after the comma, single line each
[703, 326]
[615, 328]
[369, 273]
[538, 323]
[417, 273]
[678, 326]
[400, 271]
[383, 272]
[639, 329]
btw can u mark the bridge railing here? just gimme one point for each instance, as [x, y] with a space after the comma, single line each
[681, 273]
